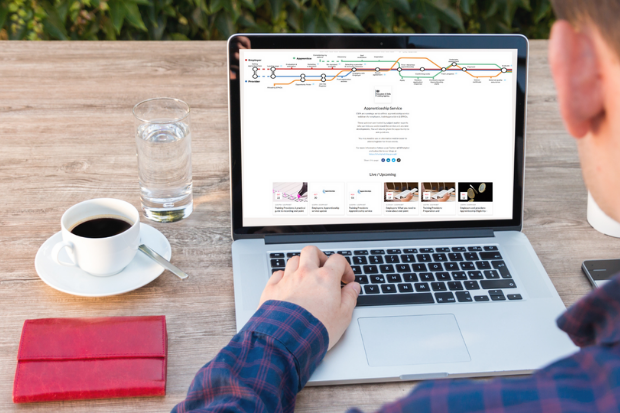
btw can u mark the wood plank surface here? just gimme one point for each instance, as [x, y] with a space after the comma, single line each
[67, 135]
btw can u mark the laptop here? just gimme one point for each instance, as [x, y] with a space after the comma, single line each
[404, 154]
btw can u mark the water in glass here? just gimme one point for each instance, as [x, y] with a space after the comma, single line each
[165, 167]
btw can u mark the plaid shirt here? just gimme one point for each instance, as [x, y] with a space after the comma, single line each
[270, 360]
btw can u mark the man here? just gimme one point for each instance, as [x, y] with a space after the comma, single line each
[304, 312]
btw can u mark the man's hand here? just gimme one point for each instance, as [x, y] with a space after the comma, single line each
[312, 281]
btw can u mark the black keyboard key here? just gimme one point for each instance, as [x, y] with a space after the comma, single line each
[490, 256]
[356, 269]
[427, 276]
[442, 249]
[491, 274]
[421, 287]
[471, 256]
[455, 285]
[501, 267]
[370, 269]
[463, 297]
[451, 266]
[360, 252]
[495, 292]
[474, 248]
[407, 258]
[276, 269]
[394, 278]
[458, 249]
[371, 289]
[377, 279]
[329, 253]
[348, 260]
[445, 298]
[388, 289]
[410, 277]
[344, 252]
[392, 259]
[386, 268]
[475, 275]
[455, 256]
[490, 248]
[405, 288]
[459, 276]
[514, 297]
[375, 259]
[498, 297]
[293, 254]
[361, 279]
[489, 284]
[443, 276]
[360, 260]
[278, 263]
[395, 299]
[440, 257]
[437, 286]
[394, 251]
[472, 285]
[483, 265]
[466, 265]
[410, 250]
[276, 255]
[423, 257]
[377, 252]
[419, 267]
[435, 266]
[481, 298]
[426, 250]
[403, 268]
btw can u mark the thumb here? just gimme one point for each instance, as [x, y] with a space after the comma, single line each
[349, 294]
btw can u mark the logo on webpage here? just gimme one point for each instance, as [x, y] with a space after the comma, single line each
[383, 94]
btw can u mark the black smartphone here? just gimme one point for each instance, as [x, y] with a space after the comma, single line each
[600, 271]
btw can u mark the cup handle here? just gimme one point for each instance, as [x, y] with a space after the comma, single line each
[56, 251]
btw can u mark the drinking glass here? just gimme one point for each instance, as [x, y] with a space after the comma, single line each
[164, 152]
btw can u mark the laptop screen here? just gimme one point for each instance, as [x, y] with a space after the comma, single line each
[377, 136]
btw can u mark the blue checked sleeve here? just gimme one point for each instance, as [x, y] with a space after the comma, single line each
[264, 366]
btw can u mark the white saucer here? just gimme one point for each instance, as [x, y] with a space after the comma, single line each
[72, 280]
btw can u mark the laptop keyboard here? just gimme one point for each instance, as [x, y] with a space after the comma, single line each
[397, 276]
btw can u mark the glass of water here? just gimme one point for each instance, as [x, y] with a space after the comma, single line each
[164, 151]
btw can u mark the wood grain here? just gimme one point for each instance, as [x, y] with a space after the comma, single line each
[67, 136]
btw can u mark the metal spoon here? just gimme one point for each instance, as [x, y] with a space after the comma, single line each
[162, 261]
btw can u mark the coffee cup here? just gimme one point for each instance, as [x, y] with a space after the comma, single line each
[101, 236]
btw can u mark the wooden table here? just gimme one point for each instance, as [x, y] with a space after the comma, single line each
[67, 135]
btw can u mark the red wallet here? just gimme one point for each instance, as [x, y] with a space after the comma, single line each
[91, 358]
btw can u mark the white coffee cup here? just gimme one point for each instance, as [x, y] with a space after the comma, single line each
[99, 256]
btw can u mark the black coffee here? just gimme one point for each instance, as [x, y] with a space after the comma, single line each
[101, 228]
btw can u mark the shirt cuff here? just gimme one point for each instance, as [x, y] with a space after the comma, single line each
[303, 335]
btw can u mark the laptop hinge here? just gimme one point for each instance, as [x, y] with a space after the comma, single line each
[376, 236]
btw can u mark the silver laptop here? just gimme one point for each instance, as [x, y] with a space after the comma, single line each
[405, 154]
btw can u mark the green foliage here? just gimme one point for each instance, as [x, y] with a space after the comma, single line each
[218, 19]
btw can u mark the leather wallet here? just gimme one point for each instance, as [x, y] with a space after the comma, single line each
[91, 358]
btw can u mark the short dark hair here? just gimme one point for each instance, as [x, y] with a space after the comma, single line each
[603, 14]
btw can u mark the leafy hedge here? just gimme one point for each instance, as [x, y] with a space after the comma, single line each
[218, 19]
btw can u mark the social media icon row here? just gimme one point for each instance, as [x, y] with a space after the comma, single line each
[390, 160]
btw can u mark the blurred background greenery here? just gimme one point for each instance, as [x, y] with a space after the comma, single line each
[218, 19]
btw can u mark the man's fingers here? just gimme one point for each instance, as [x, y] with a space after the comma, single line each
[275, 277]
[291, 266]
[338, 268]
[348, 300]
[312, 257]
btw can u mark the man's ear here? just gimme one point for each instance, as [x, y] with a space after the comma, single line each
[575, 67]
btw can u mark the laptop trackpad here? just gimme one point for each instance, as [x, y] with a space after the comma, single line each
[404, 340]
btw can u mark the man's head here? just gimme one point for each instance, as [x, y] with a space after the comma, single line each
[584, 54]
